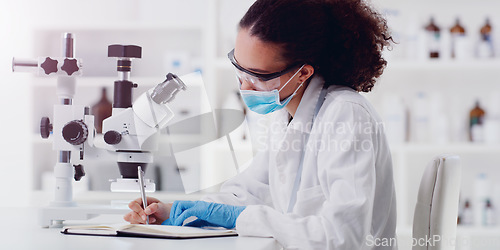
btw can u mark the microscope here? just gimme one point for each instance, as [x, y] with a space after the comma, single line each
[130, 133]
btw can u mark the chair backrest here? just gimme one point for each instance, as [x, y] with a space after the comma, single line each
[436, 211]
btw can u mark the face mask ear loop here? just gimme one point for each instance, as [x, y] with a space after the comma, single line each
[292, 77]
[295, 92]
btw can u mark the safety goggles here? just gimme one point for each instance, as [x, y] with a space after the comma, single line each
[263, 82]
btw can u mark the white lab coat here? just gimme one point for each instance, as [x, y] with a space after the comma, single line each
[346, 198]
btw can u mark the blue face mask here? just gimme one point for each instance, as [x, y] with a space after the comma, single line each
[265, 102]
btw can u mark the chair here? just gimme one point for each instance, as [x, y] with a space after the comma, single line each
[435, 219]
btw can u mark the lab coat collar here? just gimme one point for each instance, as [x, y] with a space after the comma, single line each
[302, 121]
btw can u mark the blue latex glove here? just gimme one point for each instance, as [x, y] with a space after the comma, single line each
[208, 214]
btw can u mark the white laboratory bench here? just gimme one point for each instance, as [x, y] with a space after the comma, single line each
[20, 230]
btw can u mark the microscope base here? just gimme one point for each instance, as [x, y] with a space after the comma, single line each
[53, 216]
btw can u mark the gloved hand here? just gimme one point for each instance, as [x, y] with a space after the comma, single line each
[208, 214]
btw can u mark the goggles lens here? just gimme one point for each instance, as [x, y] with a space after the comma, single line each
[262, 82]
[256, 82]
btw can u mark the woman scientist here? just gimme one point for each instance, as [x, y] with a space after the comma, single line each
[325, 179]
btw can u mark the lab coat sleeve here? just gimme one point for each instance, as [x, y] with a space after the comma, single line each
[250, 187]
[347, 178]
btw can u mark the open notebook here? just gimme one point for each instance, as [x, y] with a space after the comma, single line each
[149, 231]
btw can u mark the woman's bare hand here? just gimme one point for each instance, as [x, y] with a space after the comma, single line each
[158, 211]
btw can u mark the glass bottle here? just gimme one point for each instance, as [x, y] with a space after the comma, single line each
[467, 214]
[458, 46]
[476, 123]
[488, 214]
[433, 36]
[485, 47]
[101, 110]
[486, 31]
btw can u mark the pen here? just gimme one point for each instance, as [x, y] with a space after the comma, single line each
[140, 175]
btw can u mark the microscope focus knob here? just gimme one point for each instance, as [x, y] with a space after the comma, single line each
[49, 66]
[70, 66]
[45, 127]
[112, 137]
[75, 132]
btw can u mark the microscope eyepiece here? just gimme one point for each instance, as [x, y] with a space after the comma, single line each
[166, 91]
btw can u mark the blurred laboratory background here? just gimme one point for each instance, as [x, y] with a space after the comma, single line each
[440, 92]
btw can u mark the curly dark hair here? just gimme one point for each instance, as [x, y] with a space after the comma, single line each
[342, 39]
